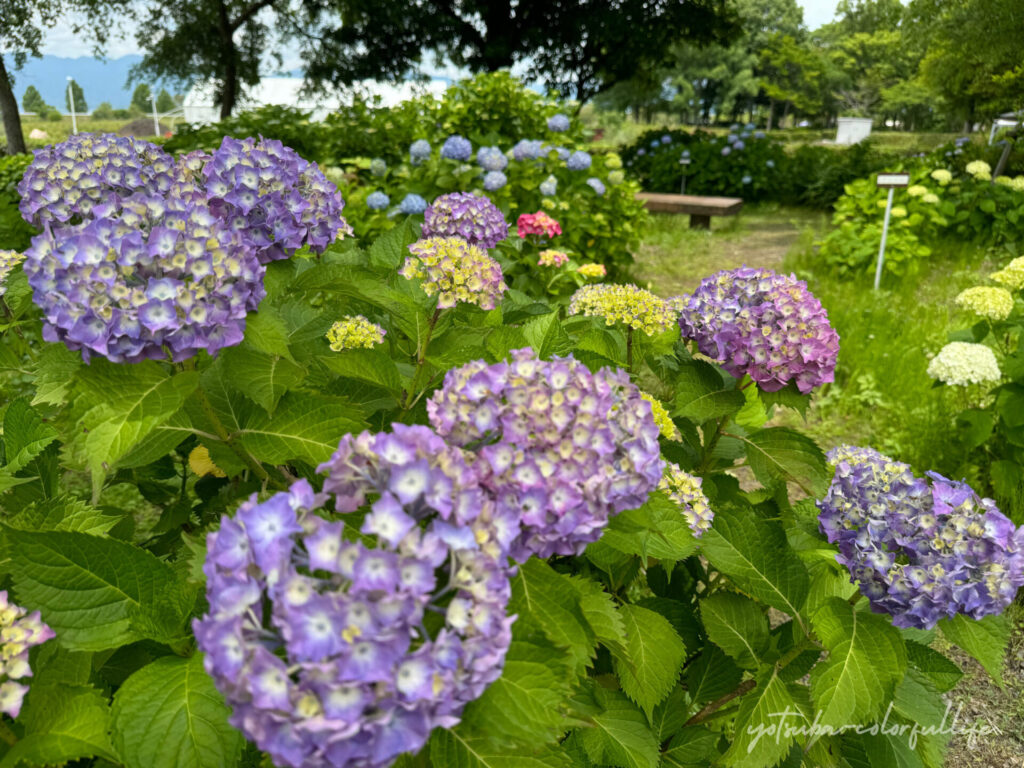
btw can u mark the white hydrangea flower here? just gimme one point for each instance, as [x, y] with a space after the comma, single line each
[960, 363]
[1012, 275]
[917, 190]
[979, 169]
[942, 176]
[986, 301]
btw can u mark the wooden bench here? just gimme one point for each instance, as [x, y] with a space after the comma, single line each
[700, 208]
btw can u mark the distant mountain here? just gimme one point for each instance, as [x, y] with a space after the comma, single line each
[100, 80]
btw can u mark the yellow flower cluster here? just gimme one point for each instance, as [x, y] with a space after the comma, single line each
[455, 271]
[354, 332]
[612, 161]
[1012, 275]
[8, 261]
[899, 212]
[552, 258]
[199, 461]
[661, 418]
[979, 169]
[1017, 183]
[917, 190]
[942, 176]
[593, 270]
[986, 301]
[931, 198]
[685, 490]
[639, 309]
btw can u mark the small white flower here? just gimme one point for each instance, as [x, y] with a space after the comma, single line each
[960, 363]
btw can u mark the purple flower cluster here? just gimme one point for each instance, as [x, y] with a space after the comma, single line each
[88, 176]
[919, 549]
[561, 447]
[558, 123]
[165, 275]
[333, 651]
[765, 325]
[19, 631]
[461, 214]
[456, 147]
[274, 198]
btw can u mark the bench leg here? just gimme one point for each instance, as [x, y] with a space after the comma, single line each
[699, 222]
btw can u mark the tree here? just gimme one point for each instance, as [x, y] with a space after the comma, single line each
[218, 40]
[32, 100]
[793, 74]
[578, 47]
[165, 102]
[75, 90]
[142, 98]
[104, 112]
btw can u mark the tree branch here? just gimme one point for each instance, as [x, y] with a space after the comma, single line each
[249, 12]
[717, 704]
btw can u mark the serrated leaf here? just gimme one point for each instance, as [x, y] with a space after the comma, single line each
[64, 513]
[919, 703]
[941, 671]
[304, 426]
[985, 640]
[620, 735]
[711, 675]
[370, 365]
[755, 743]
[86, 587]
[601, 612]
[526, 703]
[737, 626]
[668, 717]
[649, 666]
[546, 602]
[702, 394]
[782, 455]
[879, 751]
[392, 248]
[169, 715]
[692, 747]
[267, 332]
[452, 749]
[546, 335]
[656, 529]
[54, 372]
[866, 659]
[261, 377]
[753, 414]
[26, 435]
[62, 723]
[754, 553]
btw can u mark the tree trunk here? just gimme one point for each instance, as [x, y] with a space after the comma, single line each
[9, 108]
[229, 77]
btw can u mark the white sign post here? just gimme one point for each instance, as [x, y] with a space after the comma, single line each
[888, 181]
[685, 162]
[71, 103]
[156, 122]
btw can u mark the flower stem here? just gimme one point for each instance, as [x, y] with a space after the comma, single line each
[421, 356]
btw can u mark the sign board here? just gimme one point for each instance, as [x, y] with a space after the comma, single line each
[889, 180]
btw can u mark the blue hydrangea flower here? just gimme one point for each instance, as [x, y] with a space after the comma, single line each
[731, 138]
[549, 187]
[558, 123]
[526, 149]
[494, 180]
[457, 148]
[769, 163]
[666, 139]
[491, 159]
[726, 151]
[419, 151]
[377, 201]
[641, 152]
[563, 153]
[412, 204]
[578, 161]
[746, 180]
[739, 146]
[596, 185]
[655, 143]
[759, 134]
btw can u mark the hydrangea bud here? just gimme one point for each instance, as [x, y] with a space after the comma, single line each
[354, 332]
[685, 490]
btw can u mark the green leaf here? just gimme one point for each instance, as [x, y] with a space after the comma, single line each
[86, 587]
[452, 749]
[26, 435]
[737, 626]
[649, 666]
[546, 336]
[261, 377]
[392, 248]
[754, 553]
[702, 394]
[369, 365]
[985, 640]
[267, 332]
[55, 371]
[866, 659]
[306, 427]
[668, 717]
[787, 397]
[620, 735]
[756, 744]
[879, 751]
[657, 529]
[692, 747]
[64, 513]
[546, 602]
[712, 675]
[526, 703]
[601, 613]
[782, 455]
[942, 672]
[974, 427]
[169, 715]
[753, 414]
[62, 723]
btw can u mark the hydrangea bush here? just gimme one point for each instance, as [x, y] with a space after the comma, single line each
[271, 500]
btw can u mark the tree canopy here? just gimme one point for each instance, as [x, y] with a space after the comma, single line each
[75, 90]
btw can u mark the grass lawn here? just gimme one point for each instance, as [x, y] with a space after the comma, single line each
[882, 396]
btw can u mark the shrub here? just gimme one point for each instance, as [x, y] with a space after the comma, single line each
[15, 233]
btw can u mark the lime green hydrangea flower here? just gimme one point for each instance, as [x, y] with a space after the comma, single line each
[1017, 183]
[636, 308]
[1012, 275]
[931, 198]
[960, 363]
[668, 429]
[917, 190]
[979, 169]
[612, 161]
[455, 271]
[899, 212]
[942, 176]
[986, 301]
[616, 177]
[685, 490]
[592, 270]
[1003, 180]
[8, 261]
[354, 332]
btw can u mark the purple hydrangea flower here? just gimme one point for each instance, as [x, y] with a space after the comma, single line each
[419, 151]
[578, 161]
[377, 201]
[731, 138]
[641, 152]
[596, 184]
[343, 639]
[412, 204]
[739, 146]
[560, 446]
[726, 151]
[494, 180]
[272, 197]
[462, 214]
[762, 324]
[558, 123]
[89, 175]
[666, 139]
[527, 149]
[19, 631]
[163, 276]
[456, 148]
[491, 159]
[919, 549]
[759, 134]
